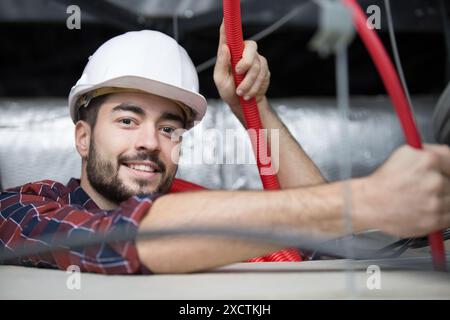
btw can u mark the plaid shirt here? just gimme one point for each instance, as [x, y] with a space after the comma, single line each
[49, 208]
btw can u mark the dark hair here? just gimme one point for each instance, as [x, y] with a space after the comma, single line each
[89, 113]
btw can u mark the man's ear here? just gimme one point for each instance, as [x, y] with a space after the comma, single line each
[82, 138]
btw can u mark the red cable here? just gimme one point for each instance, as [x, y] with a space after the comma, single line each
[235, 41]
[233, 30]
[392, 84]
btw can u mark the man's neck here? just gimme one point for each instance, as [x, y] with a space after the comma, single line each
[99, 200]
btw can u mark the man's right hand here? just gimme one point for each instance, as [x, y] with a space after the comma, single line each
[410, 194]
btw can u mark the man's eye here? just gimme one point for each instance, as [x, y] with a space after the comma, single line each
[168, 130]
[126, 121]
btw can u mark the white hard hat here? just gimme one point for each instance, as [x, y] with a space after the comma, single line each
[145, 61]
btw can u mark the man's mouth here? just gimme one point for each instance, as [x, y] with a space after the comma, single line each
[141, 168]
[145, 168]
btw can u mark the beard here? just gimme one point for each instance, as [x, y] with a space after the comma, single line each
[103, 175]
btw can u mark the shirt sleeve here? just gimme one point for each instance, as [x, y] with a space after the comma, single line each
[28, 217]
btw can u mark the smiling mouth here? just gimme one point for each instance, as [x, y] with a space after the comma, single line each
[145, 166]
[146, 170]
[140, 167]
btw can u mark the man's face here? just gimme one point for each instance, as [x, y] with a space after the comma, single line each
[132, 150]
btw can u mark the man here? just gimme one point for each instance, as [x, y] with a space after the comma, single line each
[136, 92]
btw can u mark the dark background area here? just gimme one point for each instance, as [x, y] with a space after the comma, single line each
[40, 56]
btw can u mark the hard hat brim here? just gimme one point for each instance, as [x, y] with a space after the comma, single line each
[191, 99]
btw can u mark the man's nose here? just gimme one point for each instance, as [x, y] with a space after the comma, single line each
[148, 139]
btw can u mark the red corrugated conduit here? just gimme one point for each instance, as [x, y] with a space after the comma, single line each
[235, 41]
[233, 30]
[392, 84]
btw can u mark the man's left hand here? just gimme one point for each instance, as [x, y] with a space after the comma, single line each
[252, 64]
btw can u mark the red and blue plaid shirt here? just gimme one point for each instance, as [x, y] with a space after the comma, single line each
[48, 208]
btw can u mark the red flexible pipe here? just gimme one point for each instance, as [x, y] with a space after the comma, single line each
[392, 84]
[235, 41]
[233, 30]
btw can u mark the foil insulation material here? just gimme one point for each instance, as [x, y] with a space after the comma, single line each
[37, 140]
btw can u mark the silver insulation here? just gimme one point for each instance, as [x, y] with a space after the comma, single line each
[37, 140]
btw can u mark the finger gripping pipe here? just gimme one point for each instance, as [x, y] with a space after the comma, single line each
[391, 82]
[233, 31]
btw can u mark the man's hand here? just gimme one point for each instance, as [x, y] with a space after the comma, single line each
[252, 64]
[410, 194]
